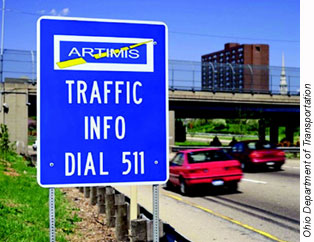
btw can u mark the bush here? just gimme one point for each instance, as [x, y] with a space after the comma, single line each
[219, 124]
[252, 124]
[5, 146]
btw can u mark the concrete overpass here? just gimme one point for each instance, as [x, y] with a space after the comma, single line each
[271, 110]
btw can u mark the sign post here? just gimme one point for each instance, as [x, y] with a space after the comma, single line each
[52, 228]
[155, 213]
[102, 99]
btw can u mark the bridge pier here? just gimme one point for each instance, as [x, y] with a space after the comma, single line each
[171, 127]
[180, 132]
[261, 129]
[290, 128]
[273, 132]
[14, 96]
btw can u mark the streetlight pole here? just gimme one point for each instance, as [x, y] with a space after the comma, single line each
[1, 56]
[2, 27]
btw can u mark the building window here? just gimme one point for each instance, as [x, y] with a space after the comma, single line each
[258, 48]
[240, 49]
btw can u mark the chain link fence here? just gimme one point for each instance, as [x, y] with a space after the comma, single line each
[183, 75]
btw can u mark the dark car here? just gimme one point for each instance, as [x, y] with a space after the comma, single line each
[211, 166]
[254, 153]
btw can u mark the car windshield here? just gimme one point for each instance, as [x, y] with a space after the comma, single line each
[257, 145]
[208, 156]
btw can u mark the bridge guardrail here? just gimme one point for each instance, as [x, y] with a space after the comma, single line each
[178, 148]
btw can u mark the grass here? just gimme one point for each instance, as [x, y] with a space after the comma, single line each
[188, 143]
[24, 213]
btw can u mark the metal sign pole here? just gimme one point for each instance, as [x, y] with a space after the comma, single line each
[52, 228]
[155, 213]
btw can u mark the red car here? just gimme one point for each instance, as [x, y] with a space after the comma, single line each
[204, 166]
[255, 153]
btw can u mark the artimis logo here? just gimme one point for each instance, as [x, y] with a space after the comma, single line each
[103, 53]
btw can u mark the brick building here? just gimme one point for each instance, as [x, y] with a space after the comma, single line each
[237, 67]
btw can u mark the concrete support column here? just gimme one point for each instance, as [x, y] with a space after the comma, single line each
[180, 132]
[17, 116]
[171, 128]
[261, 129]
[289, 133]
[274, 128]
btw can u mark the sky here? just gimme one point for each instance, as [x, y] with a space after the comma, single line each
[195, 27]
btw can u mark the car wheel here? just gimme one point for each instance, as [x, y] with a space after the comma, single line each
[277, 167]
[245, 166]
[233, 187]
[168, 185]
[183, 187]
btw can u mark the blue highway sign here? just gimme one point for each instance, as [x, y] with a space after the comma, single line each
[102, 102]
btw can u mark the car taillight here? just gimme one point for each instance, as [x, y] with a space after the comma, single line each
[199, 170]
[233, 168]
[256, 155]
[281, 153]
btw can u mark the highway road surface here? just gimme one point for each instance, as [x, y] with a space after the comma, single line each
[265, 208]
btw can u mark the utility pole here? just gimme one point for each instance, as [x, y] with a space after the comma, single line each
[2, 26]
[2, 99]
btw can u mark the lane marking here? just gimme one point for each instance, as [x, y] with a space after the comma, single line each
[265, 234]
[292, 167]
[254, 181]
[81, 60]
